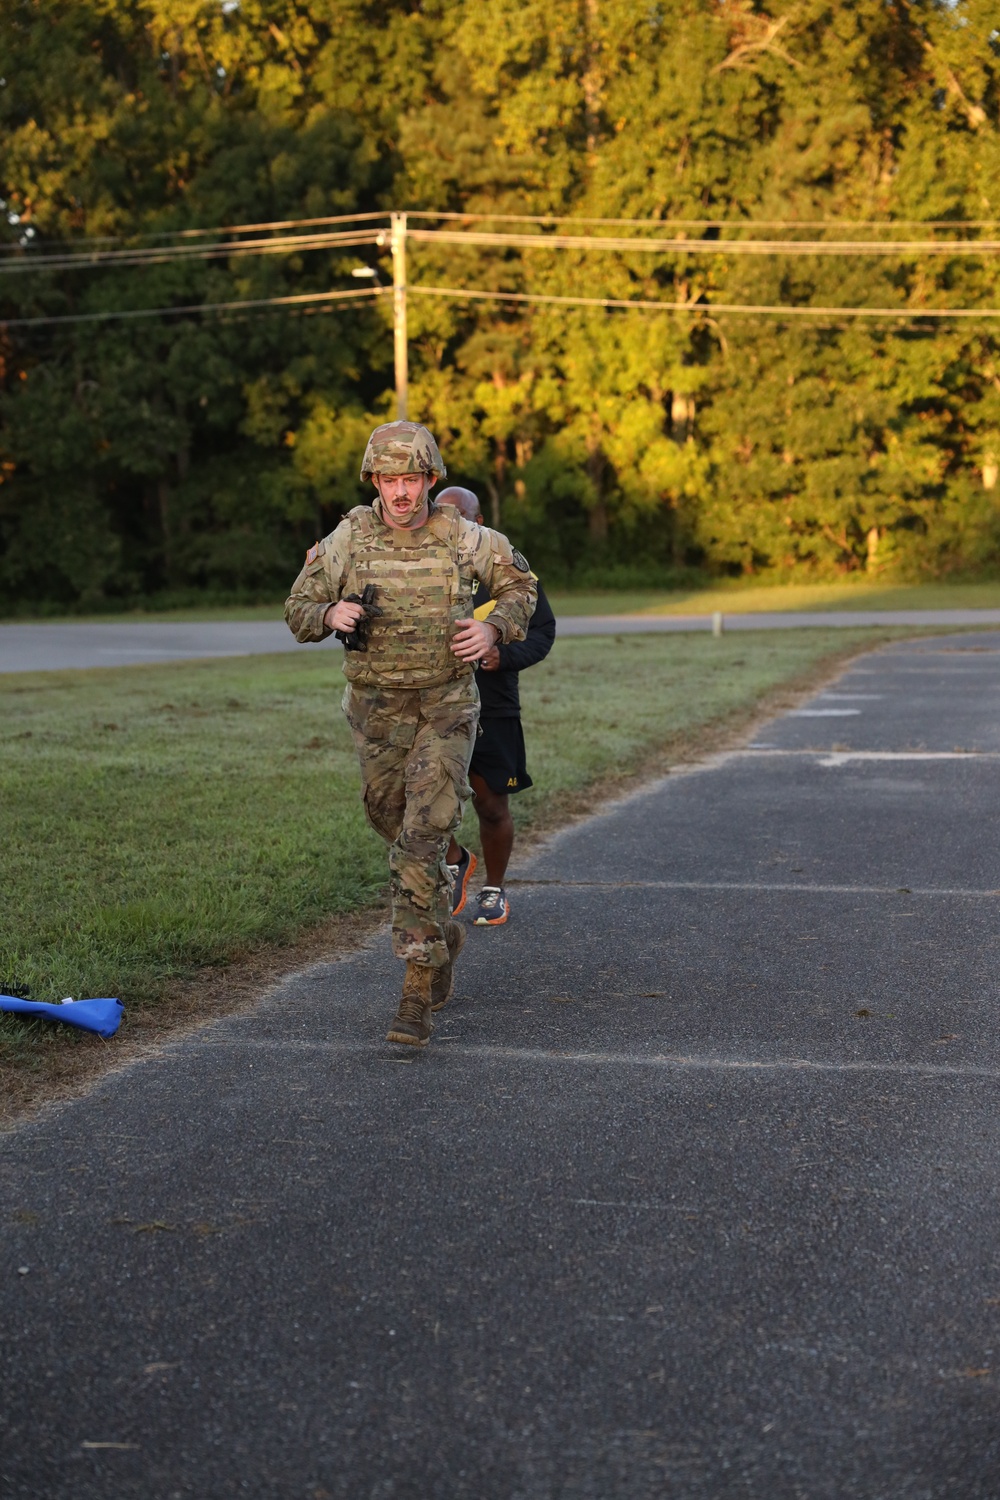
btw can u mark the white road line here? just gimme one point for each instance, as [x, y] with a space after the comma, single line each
[667, 1061]
[729, 1064]
[822, 713]
[936, 671]
[842, 757]
[839, 757]
[799, 887]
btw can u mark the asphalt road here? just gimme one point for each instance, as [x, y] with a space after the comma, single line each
[694, 1193]
[76, 644]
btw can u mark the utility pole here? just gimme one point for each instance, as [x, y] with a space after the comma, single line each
[398, 243]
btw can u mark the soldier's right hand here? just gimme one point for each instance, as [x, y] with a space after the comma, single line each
[343, 616]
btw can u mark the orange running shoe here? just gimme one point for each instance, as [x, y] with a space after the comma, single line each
[492, 907]
[462, 871]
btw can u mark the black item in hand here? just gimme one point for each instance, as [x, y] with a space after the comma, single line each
[357, 639]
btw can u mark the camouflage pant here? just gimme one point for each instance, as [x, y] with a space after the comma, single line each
[414, 746]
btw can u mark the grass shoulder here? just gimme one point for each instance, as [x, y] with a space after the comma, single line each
[745, 597]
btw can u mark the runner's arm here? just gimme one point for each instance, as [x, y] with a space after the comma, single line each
[507, 577]
[319, 585]
[536, 645]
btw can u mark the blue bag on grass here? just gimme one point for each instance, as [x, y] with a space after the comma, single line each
[102, 1016]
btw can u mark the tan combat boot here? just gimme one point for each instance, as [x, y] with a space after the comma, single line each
[443, 983]
[413, 1025]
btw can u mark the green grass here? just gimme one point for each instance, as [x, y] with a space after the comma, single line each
[160, 818]
[742, 597]
[167, 817]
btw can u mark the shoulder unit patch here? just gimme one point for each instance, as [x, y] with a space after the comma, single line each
[520, 561]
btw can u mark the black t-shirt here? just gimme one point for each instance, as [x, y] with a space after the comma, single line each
[498, 690]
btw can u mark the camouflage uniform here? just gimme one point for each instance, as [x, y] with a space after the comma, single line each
[412, 705]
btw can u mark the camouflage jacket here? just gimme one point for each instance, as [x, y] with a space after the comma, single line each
[425, 581]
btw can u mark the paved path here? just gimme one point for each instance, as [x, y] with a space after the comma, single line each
[44, 648]
[695, 1192]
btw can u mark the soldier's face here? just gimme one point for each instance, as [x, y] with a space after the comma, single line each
[404, 498]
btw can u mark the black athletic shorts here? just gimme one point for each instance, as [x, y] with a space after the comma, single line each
[498, 756]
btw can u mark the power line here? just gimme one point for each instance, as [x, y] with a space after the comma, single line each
[720, 222]
[30, 258]
[198, 307]
[279, 224]
[135, 255]
[768, 310]
[157, 234]
[160, 255]
[738, 223]
[163, 255]
[781, 310]
[705, 247]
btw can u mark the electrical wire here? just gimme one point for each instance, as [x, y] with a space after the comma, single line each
[161, 255]
[705, 247]
[500, 218]
[280, 224]
[157, 234]
[30, 260]
[166, 255]
[712, 223]
[198, 307]
[780, 310]
[767, 309]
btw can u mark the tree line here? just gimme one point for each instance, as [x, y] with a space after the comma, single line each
[163, 456]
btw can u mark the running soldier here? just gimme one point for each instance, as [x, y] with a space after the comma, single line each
[396, 581]
[498, 768]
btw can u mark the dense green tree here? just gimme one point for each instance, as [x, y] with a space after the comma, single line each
[193, 452]
[164, 451]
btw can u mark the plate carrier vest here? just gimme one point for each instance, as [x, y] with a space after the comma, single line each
[422, 591]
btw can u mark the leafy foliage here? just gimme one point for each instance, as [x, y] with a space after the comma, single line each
[203, 452]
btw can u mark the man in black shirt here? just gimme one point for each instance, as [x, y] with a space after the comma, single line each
[498, 761]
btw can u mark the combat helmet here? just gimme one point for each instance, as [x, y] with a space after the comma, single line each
[402, 448]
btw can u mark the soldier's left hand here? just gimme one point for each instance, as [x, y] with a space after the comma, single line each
[473, 638]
